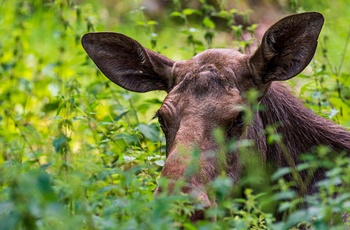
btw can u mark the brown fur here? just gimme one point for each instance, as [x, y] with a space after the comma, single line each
[301, 129]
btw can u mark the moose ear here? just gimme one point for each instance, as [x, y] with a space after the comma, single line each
[286, 48]
[127, 63]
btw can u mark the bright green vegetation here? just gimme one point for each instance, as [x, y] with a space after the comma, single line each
[77, 152]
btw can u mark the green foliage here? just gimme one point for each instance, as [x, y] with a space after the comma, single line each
[79, 153]
[206, 16]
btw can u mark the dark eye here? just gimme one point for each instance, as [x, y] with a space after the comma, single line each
[239, 122]
[236, 127]
[161, 121]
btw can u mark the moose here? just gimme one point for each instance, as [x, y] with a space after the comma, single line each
[209, 91]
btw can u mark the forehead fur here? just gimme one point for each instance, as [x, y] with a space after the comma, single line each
[211, 71]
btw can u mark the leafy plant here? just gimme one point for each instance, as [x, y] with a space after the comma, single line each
[78, 153]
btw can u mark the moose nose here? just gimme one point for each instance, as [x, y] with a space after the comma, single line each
[197, 195]
[157, 192]
[196, 192]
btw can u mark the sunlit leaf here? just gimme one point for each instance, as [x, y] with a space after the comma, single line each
[207, 22]
[189, 11]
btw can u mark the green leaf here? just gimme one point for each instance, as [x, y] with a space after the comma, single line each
[152, 22]
[280, 173]
[287, 195]
[207, 22]
[285, 206]
[189, 11]
[140, 23]
[130, 139]
[117, 118]
[49, 107]
[149, 131]
[176, 14]
[59, 142]
[155, 101]
[223, 14]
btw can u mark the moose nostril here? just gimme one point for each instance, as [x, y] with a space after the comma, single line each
[186, 189]
[199, 197]
[197, 215]
[205, 203]
[157, 191]
[203, 198]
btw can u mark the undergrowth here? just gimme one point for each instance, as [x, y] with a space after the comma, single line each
[77, 152]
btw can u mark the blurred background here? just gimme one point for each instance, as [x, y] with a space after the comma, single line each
[77, 151]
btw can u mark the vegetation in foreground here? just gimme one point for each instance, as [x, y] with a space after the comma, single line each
[78, 152]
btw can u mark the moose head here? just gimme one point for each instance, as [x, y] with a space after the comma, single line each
[208, 92]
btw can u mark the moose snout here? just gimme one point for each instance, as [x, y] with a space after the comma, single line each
[199, 198]
[197, 195]
[183, 177]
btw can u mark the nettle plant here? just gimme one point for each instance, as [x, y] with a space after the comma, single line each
[76, 151]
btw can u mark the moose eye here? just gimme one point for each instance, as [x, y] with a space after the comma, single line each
[239, 122]
[235, 130]
[160, 120]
